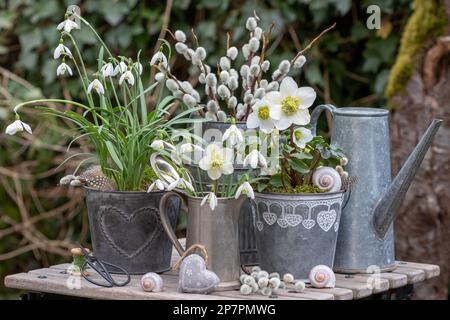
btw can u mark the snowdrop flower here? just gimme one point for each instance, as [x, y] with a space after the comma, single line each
[302, 136]
[233, 136]
[246, 189]
[173, 184]
[97, 86]
[138, 67]
[17, 126]
[107, 70]
[255, 158]
[120, 68]
[157, 184]
[61, 50]
[263, 116]
[217, 161]
[291, 103]
[211, 199]
[188, 147]
[67, 25]
[62, 68]
[161, 145]
[184, 184]
[159, 58]
[299, 62]
[128, 76]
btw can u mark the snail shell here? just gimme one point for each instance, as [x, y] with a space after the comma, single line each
[152, 282]
[327, 178]
[322, 277]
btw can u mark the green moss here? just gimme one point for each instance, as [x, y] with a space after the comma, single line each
[426, 22]
[304, 188]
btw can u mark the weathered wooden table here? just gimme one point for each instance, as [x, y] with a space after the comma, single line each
[387, 285]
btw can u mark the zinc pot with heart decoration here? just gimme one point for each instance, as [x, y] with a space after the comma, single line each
[295, 232]
[217, 230]
[126, 229]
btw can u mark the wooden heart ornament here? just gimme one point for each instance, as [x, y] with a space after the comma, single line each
[194, 277]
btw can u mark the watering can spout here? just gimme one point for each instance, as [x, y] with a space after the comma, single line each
[384, 211]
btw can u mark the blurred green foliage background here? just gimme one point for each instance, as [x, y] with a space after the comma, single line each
[349, 66]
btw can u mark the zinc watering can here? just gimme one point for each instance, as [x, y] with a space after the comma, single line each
[366, 238]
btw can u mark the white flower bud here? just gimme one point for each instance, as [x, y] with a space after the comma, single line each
[210, 116]
[275, 282]
[265, 65]
[212, 106]
[284, 66]
[221, 116]
[210, 90]
[254, 69]
[276, 75]
[299, 62]
[233, 73]
[233, 83]
[248, 98]
[196, 95]
[259, 93]
[257, 33]
[211, 79]
[273, 86]
[201, 53]
[245, 289]
[253, 45]
[189, 101]
[263, 282]
[181, 48]
[224, 63]
[180, 36]
[251, 24]
[196, 61]
[187, 87]
[255, 60]
[232, 53]
[224, 76]
[205, 68]
[171, 85]
[246, 51]
[202, 78]
[240, 110]
[232, 102]
[160, 76]
[178, 94]
[223, 91]
[344, 161]
[244, 70]
[189, 54]
[288, 278]
[263, 83]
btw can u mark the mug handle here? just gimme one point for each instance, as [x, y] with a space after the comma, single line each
[316, 114]
[165, 219]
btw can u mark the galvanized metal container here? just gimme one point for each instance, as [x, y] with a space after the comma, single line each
[126, 229]
[295, 232]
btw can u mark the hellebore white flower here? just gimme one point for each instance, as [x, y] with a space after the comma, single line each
[233, 136]
[97, 86]
[217, 161]
[17, 126]
[107, 70]
[292, 103]
[246, 189]
[138, 67]
[212, 200]
[158, 184]
[159, 58]
[68, 25]
[128, 76]
[62, 68]
[61, 50]
[302, 136]
[263, 116]
[120, 68]
[255, 158]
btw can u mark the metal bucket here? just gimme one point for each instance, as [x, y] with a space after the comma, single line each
[295, 232]
[126, 229]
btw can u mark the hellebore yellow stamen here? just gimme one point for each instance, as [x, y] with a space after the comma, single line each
[298, 135]
[263, 113]
[289, 105]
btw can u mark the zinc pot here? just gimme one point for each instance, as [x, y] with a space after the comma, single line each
[126, 229]
[212, 131]
[295, 232]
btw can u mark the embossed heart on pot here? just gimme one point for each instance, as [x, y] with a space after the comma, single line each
[326, 219]
[293, 219]
[269, 217]
[282, 222]
[116, 225]
[194, 277]
[308, 223]
[259, 225]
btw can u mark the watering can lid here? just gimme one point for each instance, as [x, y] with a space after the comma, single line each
[360, 112]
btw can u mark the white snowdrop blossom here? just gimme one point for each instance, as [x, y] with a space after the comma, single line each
[263, 116]
[217, 161]
[107, 70]
[255, 159]
[61, 50]
[128, 76]
[17, 126]
[159, 58]
[302, 136]
[157, 184]
[138, 67]
[184, 184]
[211, 199]
[67, 25]
[62, 69]
[97, 86]
[173, 185]
[233, 135]
[291, 103]
[188, 147]
[161, 145]
[246, 189]
[120, 68]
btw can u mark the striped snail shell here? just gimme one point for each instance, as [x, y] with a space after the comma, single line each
[327, 178]
[322, 276]
[152, 282]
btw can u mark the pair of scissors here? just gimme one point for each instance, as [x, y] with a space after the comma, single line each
[100, 267]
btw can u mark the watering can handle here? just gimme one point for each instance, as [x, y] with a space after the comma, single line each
[165, 219]
[316, 114]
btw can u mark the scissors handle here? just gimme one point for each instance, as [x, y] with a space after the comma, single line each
[100, 268]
